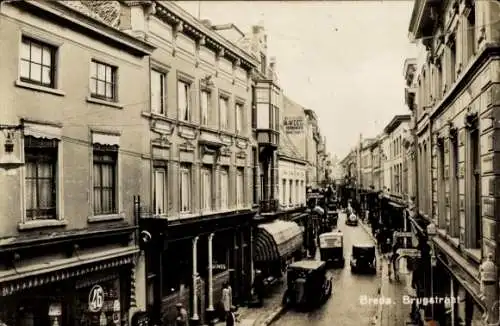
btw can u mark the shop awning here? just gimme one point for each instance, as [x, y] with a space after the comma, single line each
[276, 240]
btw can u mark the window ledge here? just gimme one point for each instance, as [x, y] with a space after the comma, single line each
[40, 88]
[115, 105]
[474, 254]
[104, 218]
[30, 225]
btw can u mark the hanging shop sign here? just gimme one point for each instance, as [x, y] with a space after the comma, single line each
[407, 252]
[96, 298]
[293, 125]
[55, 310]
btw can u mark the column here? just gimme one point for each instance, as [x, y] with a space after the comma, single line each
[195, 317]
[210, 308]
[216, 199]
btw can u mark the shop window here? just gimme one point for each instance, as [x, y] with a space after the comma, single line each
[220, 256]
[40, 180]
[99, 304]
[105, 179]
[176, 267]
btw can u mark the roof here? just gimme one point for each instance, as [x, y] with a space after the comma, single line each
[396, 121]
[307, 264]
[363, 245]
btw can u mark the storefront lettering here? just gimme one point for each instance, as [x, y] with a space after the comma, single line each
[96, 298]
[55, 310]
[219, 266]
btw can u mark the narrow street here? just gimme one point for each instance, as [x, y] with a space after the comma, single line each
[344, 307]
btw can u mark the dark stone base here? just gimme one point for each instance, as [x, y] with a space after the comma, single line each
[194, 322]
[210, 317]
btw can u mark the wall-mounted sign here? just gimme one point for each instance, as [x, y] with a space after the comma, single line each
[55, 310]
[293, 125]
[96, 298]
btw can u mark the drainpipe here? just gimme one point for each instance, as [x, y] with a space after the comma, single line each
[195, 318]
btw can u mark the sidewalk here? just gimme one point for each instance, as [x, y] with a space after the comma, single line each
[397, 313]
[268, 313]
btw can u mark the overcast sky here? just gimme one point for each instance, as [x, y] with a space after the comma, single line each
[342, 59]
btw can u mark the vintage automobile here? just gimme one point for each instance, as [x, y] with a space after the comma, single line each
[351, 219]
[363, 259]
[331, 248]
[309, 285]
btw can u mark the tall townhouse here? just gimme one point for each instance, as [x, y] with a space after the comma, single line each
[376, 159]
[312, 143]
[321, 161]
[70, 162]
[457, 109]
[410, 67]
[396, 131]
[196, 203]
[384, 161]
[292, 163]
[366, 163]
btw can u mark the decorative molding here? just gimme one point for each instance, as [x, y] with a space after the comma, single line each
[241, 155]
[225, 151]
[162, 141]
[241, 144]
[161, 126]
[470, 119]
[187, 132]
[187, 146]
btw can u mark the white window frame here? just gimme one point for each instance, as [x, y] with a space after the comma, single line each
[185, 202]
[283, 191]
[157, 171]
[184, 113]
[224, 194]
[223, 107]
[297, 195]
[238, 123]
[240, 188]
[206, 189]
[205, 111]
[162, 110]
[290, 192]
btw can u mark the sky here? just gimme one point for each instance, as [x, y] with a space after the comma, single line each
[342, 59]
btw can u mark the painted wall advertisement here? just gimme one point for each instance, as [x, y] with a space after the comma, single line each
[294, 125]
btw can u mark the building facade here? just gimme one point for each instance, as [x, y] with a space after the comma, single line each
[312, 146]
[396, 131]
[376, 159]
[68, 249]
[199, 171]
[455, 106]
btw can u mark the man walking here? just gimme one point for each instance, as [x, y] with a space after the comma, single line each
[182, 315]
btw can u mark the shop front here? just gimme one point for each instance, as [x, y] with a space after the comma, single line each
[190, 262]
[92, 294]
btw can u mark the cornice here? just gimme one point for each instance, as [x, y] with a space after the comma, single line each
[174, 15]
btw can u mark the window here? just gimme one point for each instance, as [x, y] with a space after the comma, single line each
[453, 62]
[102, 81]
[224, 188]
[441, 187]
[206, 188]
[255, 176]
[158, 92]
[475, 188]
[204, 106]
[160, 187]
[105, 168]
[223, 112]
[263, 63]
[302, 193]
[185, 191]
[254, 107]
[184, 100]
[455, 199]
[297, 193]
[283, 192]
[240, 188]
[40, 180]
[37, 62]
[290, 192]
[239, 118]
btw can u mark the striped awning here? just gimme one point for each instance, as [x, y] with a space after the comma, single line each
[276, 240]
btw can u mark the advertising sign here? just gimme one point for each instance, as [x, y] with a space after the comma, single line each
[96, 298]
[294, 125]
[406, 252]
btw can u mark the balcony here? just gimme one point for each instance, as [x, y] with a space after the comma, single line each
[267, 103]
[269, 206]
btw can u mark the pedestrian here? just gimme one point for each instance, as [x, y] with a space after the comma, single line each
[182, 315]
[226, 299]
[231, 316]
[259, 286]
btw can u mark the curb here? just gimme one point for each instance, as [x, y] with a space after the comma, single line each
[273, 316]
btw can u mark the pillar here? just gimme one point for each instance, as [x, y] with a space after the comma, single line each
[210, 309]
[489, 293]
[195, 318]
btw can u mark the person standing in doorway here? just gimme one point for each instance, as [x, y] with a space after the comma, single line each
[226, 299]
[182, 316]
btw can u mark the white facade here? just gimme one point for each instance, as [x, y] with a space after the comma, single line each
[292, 178]
[386, 164]
[397, 158]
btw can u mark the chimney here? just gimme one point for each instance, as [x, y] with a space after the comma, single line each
[207, 23]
